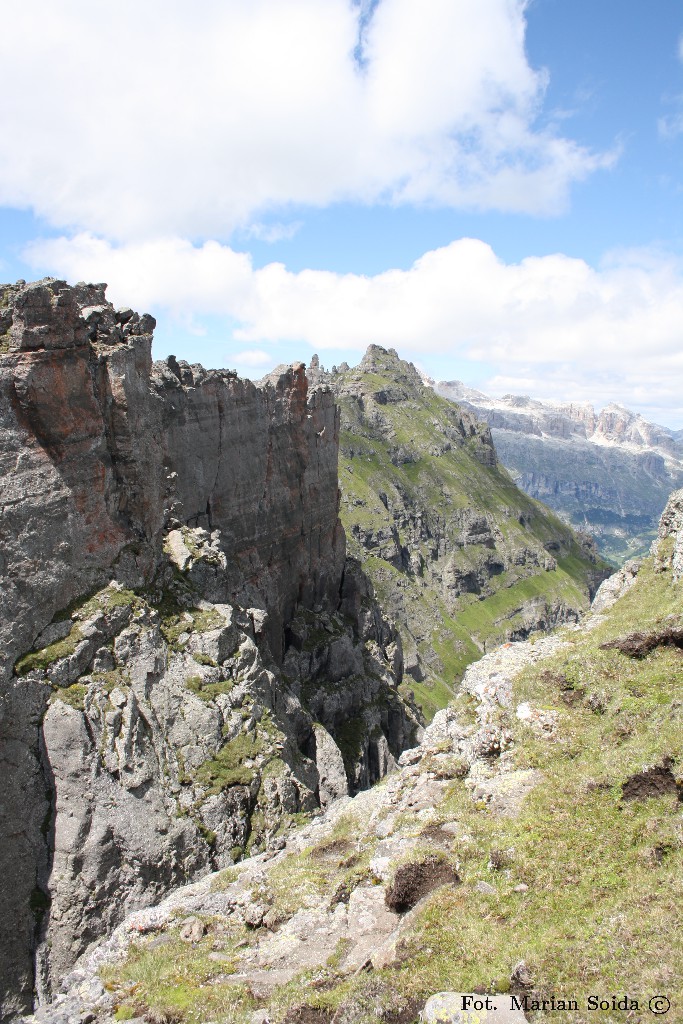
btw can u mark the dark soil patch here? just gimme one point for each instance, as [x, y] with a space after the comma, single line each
[413, 881]
[637, 645]
[570, 693]
[163, 1017]
[656, 781]
[410, 1013]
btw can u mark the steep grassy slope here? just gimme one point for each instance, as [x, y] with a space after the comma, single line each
[587, 882]
[458, 555]
[543, 810]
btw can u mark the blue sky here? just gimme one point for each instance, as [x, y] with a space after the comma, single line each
[491, 187]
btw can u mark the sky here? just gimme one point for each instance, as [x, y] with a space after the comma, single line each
[492, 187]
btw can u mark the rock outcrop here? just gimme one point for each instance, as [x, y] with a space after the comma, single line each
[187, 659]
[668, 547]
[609, 473]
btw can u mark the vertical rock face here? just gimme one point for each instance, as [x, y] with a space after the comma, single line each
[70, 503]
[76, 487]
[668, 547]
[98, 446]
[172, 560]
[260, 465]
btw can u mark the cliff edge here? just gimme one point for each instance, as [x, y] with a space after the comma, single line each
[188, 661]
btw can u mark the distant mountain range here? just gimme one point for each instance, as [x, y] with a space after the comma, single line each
[609, 473]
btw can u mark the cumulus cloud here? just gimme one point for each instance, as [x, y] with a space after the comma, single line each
[253, 358]
[554, 325]
[141, 120]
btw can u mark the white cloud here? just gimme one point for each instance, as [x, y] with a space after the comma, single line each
[252, 358]
[554, 324]
[273, 232]
[138, 120]
[670, 126]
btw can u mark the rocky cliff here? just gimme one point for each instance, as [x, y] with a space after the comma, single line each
[530, 847]
[460, 557]
[188, 661]
[609, 473]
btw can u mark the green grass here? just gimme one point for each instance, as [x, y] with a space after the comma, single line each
[74, 695]
[80, 610]
[434, 487]
[430, 696]
[227, 768]
[177, 621]
[603, 908]
[179, 982]
[105, 599]
[332, 866]
[42, 659]
[482, 617]
[208, 691]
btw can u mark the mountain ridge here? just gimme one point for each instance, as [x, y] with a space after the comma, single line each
[193, 662]
[189, 661]
[609, 473]
[459, 556]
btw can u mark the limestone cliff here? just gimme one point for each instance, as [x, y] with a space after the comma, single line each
[187, 659]
[609, 473]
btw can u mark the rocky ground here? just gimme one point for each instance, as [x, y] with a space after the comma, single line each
[459, 870]
[382, 876]
[176, 744]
